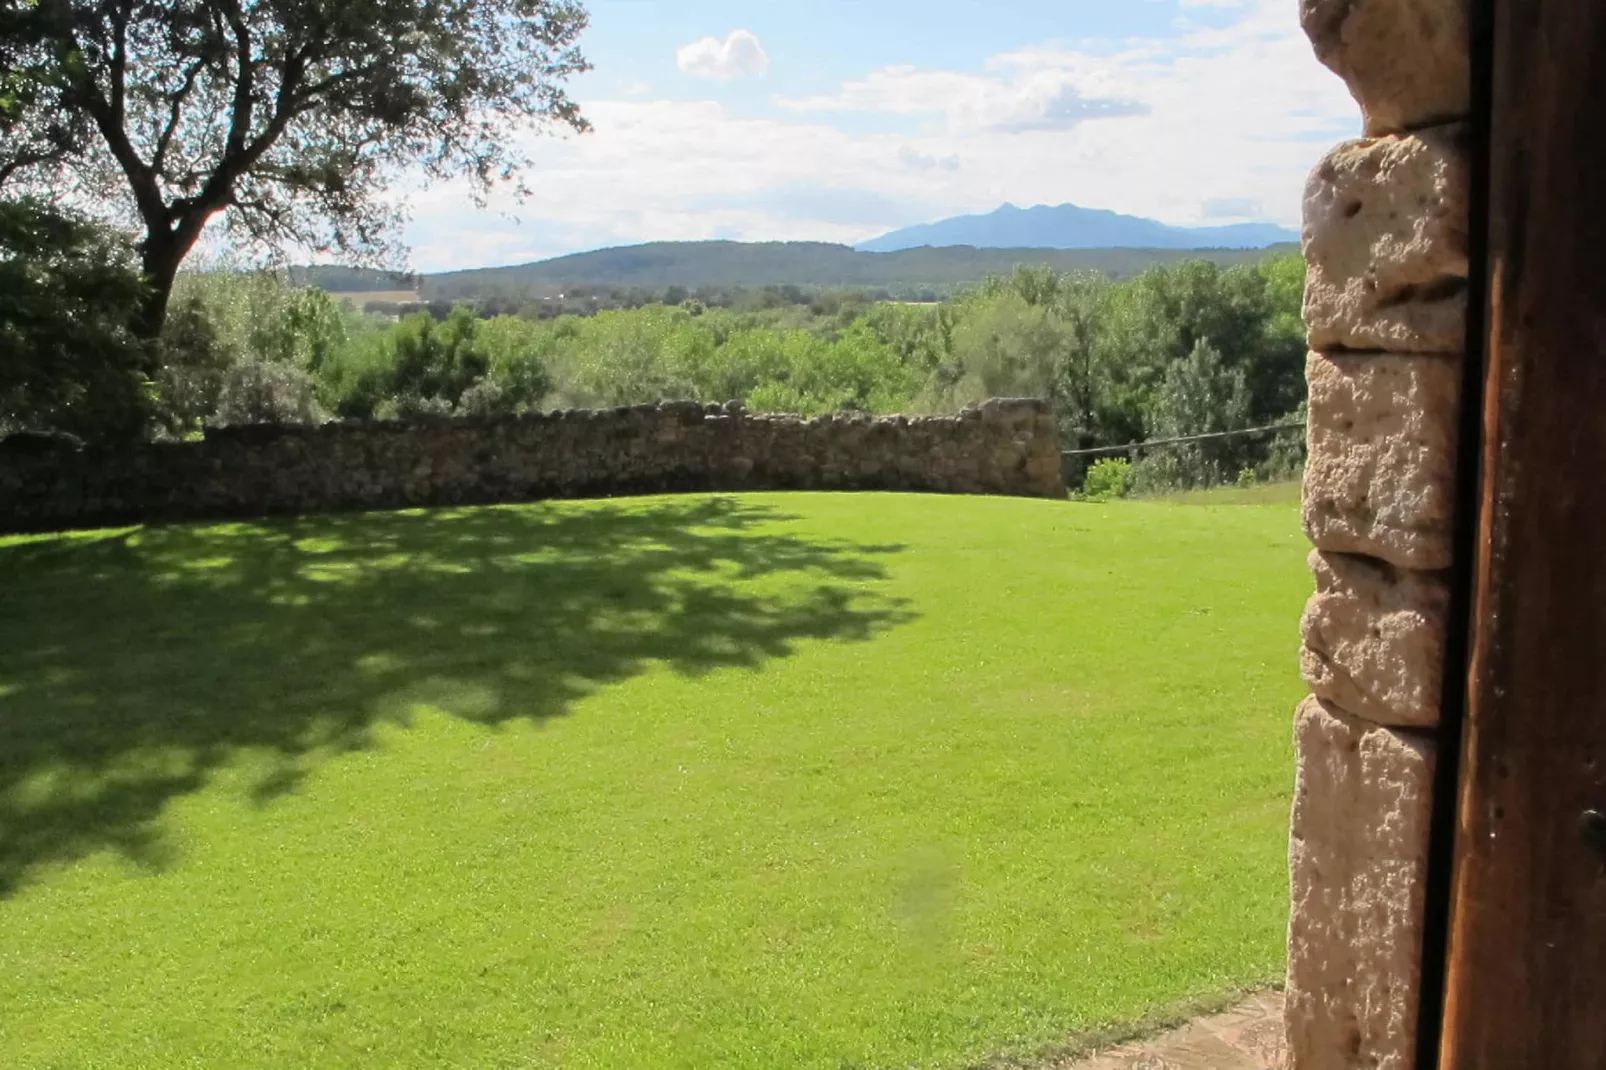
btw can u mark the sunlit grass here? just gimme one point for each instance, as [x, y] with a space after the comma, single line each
[763, 781]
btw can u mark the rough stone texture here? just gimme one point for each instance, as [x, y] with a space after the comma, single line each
[1357, 858]
[1386, 243]
[1374, 639]
[1406, 62]
[1006, 446]
[1380, 472]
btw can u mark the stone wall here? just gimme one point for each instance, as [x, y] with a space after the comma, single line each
[1385, 307]
[1002, 447]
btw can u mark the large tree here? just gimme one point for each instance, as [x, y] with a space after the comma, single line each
[290, 118]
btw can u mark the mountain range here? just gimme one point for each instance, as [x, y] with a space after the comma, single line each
[1068, 226]
[933, 258]
[723, 264]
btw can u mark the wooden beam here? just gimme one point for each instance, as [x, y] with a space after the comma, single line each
[1526, 980]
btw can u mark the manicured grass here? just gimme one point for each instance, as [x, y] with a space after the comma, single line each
[760, 781]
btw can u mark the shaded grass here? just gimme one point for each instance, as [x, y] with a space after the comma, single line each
[749, 781]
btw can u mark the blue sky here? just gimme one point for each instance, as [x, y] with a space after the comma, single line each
[837, 120]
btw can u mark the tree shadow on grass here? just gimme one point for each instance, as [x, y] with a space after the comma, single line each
[135, 664]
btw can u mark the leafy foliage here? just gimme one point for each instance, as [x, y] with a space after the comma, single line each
[258, 392]
[437, 361]
[1176, 351]
[222, 320]
[287, 116]
[67, 360]
[1108, 478]
[1198, 396]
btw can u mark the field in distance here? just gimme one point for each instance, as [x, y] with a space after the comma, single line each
[361, 298]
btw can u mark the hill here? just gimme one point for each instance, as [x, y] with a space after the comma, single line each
[337, 279]
[724, 264]
[1070, 227]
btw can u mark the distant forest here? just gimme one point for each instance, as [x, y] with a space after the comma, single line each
[1179, 349]
[704, 270]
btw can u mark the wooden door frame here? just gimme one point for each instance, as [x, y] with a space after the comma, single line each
[1514, 956]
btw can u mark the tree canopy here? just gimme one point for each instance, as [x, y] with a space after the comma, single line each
[287, 117]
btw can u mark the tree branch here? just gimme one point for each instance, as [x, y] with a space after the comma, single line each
[308, 96]
[179, 99]
[244, 102]
[220, 187]
[119, 63]
[26, 160]
[175, 112]
[108, 115]
[188, 215]
[276, 215]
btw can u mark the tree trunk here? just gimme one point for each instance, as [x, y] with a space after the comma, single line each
[159, 261]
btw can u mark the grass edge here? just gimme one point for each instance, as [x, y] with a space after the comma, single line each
[1151, 1025]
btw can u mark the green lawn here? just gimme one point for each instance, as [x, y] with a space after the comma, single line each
[761, 781]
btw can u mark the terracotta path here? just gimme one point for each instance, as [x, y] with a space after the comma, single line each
[1247, 1037]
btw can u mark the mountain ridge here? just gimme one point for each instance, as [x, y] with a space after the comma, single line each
[1070, 226]
[692, 265]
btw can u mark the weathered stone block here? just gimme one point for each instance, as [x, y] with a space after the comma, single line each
[1379, 478]
[1374, 639]
[1406, 62]
[1357, 857]
[1386, 244]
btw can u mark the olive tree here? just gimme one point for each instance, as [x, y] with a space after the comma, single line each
[287, 118]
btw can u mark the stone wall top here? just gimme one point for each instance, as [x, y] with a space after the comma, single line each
[1005, 446]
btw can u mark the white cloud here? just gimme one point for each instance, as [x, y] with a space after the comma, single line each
[739, 55]
[1035, 98]
[1066, 107]
[920, 161]
[1219, 119]
[634, 180]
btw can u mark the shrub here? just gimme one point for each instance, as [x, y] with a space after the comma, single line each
[194, 361]
[256, 315]
[357, 378]
[437, 361]
[413, 407]
[519, 352]
[68, 290]
[1108, 478]
[1157, 472]
[259, 392]
[486, 398]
